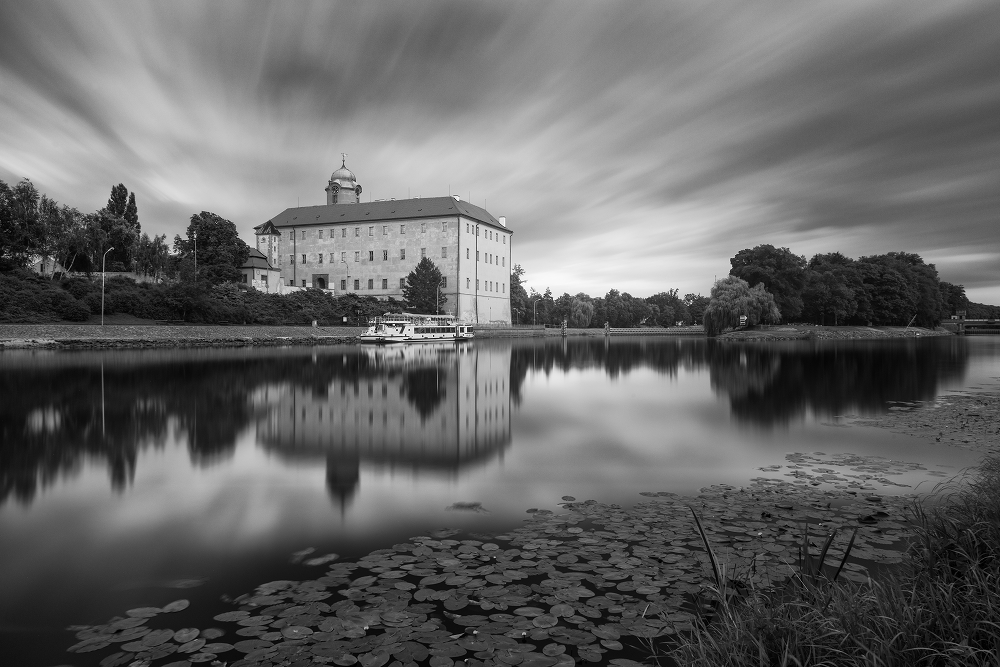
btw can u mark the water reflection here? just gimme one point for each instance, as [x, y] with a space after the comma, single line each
[427, 409]
[769, 385]
[433, 407]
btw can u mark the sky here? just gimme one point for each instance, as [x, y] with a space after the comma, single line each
[631, 145]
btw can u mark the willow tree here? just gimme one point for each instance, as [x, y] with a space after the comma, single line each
[733, 298]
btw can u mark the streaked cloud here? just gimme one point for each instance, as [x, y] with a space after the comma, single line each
[631, 145]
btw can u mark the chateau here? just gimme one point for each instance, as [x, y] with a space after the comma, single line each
[370, 248]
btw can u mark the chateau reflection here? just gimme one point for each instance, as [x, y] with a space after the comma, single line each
[428, 408]
[435, 407]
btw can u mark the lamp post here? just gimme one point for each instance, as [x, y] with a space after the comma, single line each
[534, 312]
[196, 255]
[103, 261]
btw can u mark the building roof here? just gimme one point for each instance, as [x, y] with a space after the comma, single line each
[377, 211]
[256, 260]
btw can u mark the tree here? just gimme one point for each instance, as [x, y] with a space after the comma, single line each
[732, 298]
[782, 273]
[422, 289]
[20, 234]
[220, 251]
[954, 299]
[670, 308]
[696, 305]
[518, 296]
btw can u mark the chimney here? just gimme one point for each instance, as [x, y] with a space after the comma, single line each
[503, 220]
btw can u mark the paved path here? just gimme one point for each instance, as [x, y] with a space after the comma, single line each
[141, 335]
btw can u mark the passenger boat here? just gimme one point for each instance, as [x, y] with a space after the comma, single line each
[407, 328]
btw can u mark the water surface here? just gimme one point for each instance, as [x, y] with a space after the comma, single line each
[132, 478]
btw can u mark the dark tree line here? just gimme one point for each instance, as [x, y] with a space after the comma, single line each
[34, 226]
[619, 309]
[892, 289]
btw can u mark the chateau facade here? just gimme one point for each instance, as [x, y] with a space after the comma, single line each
[370, 248]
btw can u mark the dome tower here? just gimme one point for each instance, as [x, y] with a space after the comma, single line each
[343, 187]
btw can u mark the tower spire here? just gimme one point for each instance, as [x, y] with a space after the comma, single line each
[343, 159]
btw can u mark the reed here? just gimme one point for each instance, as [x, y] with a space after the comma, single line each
[941, 607]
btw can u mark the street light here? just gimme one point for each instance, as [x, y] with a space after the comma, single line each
[534, 319]
[196, 255]
[103, 260]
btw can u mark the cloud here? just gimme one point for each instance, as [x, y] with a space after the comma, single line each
[631, 145]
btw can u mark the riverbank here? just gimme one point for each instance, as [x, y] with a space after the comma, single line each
[133, 336]
[819, 332]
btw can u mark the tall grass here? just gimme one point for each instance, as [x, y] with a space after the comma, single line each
[941, 608]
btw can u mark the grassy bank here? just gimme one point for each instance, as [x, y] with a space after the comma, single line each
[940, 607]
[820, 332]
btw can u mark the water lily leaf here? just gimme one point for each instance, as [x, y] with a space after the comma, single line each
[296, 632]
[217, 647]
[177, 605]
[553, 650]
[544, 621]
[184, 635]
[248, 645]
[212, 633]
[202, 657]
[562, 610]
[143, 612]
[157, 637]
[568, 498]
[192, 646]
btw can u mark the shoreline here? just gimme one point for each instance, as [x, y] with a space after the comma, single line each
[72, 336]
[819, 332]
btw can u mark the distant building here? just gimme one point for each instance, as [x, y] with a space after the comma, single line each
[259, 274]
[370, 248]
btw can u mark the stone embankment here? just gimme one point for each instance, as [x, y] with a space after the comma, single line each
[84, 336]
[818, 332]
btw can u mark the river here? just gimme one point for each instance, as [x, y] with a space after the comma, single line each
[131, 478]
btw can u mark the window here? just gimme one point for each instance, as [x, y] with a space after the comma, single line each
[357, 285]
[385, 283]
[385, 255]
[321, 233]
[477, 230]
[303, 235]
[466, 228]
[402, 283]
[371, 231]
[504, 286]
[467, 253]
[402, 253]
[303, 258]
[477, 255]
[385, 230]
[444, 282]
[343, 233]
[320, 257]
[332, 231]
[467, 281]
[357, 231]
[371, 283]
[423, 227]
[402, 229]
[423, 253]
[303, 283]
[444, 252]
[503, 261]
[343, 285]
[343, 257]
[244, 277]
[444, 225]
[333, 257]
[477, 284]
[505, 240]
[291, 259]
[357, 256]
[371, 255]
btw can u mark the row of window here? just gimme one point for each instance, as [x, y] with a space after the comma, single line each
[490, 285]
[371, 256]
[488, 234]
[490, 257]
[371, 230]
